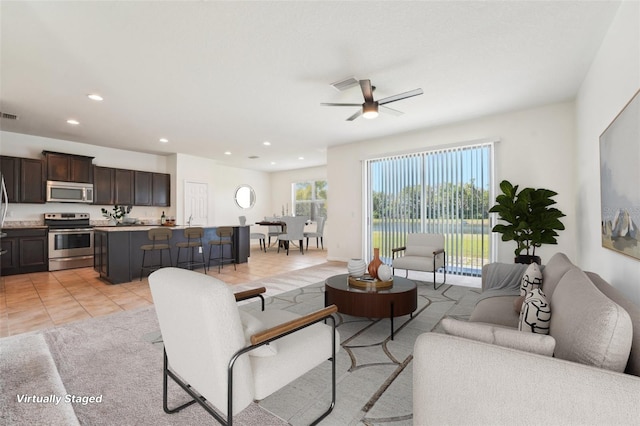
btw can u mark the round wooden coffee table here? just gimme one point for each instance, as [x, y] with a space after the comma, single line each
[401, 299]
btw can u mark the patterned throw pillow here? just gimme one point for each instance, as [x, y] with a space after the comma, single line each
[531, 279]
[535, 315]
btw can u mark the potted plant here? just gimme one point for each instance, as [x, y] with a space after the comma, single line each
[119, 212]
[530, 221]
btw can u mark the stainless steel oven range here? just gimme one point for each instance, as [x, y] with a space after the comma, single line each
[70, 240]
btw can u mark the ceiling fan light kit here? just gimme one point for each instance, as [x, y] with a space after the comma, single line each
[370, 107]
[370, 110]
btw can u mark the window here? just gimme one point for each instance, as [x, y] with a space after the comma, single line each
[310, 198]
[444, 191]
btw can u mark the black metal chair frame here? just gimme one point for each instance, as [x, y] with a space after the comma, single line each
[197, 398]
[191, 244]
[435, 253]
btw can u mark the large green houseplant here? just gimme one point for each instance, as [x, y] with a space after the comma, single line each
[529, 219]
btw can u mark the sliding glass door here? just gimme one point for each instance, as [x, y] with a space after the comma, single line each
[445, 191]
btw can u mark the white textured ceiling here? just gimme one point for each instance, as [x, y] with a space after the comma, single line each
[227, 76]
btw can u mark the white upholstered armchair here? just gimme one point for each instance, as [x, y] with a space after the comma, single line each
[228, 356]
[422, 252]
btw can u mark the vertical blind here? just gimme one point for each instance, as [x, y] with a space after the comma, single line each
[444, 191]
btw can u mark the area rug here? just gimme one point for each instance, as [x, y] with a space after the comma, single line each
[109, 369]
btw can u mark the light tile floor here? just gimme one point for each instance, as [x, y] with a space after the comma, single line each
[37, 301]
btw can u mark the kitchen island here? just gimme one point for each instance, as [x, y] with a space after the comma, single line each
[118, 258]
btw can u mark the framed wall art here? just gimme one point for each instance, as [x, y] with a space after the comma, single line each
[620, 181]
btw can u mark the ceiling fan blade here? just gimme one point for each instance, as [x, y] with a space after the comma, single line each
[367, 91]
[390, 111]
[356, 115]
[400, 96]
[332, 104]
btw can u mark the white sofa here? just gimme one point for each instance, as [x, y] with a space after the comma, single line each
[596, 332]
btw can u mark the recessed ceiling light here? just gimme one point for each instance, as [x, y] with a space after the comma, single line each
[300, 158]
[73, 122]
[266, 143]
[227, 153]
[95, 97]
[164, 140]
[273, 163]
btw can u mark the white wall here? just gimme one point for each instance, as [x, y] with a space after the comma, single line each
[613, 78]
[222, 183]
[535, 149]
[27, 146]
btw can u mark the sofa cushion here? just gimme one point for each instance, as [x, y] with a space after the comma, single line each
[517, 304]
[553, 271]
[496, 310]
[532, 278]
[633, 365]
[501, 336]
[535, 314]
[424, 251]
[589, 328]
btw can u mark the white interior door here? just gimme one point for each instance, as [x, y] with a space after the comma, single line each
[196, 202]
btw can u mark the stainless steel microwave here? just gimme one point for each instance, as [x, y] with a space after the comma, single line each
[69, 192]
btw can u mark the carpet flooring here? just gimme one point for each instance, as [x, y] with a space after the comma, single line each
[118, 360]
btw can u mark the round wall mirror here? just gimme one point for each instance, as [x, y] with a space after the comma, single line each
[245, 197]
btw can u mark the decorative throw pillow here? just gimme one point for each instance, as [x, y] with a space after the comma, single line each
[517, 304]
[531, 279]
[250, 326]
[535, 315]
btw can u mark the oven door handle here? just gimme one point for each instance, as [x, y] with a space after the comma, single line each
[70, 231]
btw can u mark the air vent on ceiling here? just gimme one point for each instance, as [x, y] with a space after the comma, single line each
[8, 116]
[253, 157]
[345, 84]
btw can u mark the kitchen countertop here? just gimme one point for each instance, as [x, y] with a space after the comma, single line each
[131, 228]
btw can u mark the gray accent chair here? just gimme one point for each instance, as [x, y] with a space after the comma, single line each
[422, 252]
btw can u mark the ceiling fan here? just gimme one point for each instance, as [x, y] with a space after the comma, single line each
[370, 107]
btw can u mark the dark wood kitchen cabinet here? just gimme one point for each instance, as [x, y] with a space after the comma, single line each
[130, 187]
[26, 251]
[32, 182]
[161, 190]
[24, 179]
[68, 167]
[124, 188]
[10, 169]
[143, 188]
[104, 179]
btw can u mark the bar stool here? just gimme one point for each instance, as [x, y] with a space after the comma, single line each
[194, 240]
[225, 238]
[159, 242]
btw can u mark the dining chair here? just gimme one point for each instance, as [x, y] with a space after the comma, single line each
[274, 230]
[255, 235]
[294, 232]
[318, 233]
